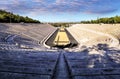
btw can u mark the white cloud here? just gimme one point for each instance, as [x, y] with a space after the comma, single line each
[51, 6]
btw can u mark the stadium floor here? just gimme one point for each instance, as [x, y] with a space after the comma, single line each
[50, 41]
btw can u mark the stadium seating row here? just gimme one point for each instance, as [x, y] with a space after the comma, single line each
[24, 35]
[27, 64]
[93, 34]
[93, 66]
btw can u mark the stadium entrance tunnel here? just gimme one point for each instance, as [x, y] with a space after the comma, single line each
[61, 38]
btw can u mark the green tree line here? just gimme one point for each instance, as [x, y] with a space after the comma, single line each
[7, 17]
[111, 20]
[60, 24]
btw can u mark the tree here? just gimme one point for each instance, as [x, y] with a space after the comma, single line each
[110, 20]
[10, 17]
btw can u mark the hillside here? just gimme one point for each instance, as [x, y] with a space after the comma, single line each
[106, 20]
[7, 17]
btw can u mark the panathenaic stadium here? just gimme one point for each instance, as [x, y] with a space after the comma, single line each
[41, 51]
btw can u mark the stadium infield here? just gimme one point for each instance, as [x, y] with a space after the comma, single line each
[61, 38]
[53, 38]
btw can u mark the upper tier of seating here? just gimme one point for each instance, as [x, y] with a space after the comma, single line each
[35, 31]
[92, 34]
[24, 35]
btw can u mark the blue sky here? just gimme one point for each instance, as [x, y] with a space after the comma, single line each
[62, 10]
